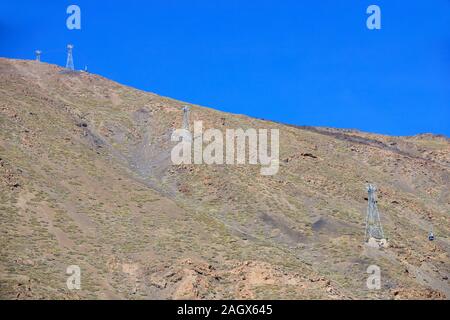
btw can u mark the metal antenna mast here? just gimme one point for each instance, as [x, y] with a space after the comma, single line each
[69, 64]
[373, 223]
[186, 112]
[38, 55]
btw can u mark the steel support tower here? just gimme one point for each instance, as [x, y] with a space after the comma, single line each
[38, 55]
[69, 63]
[373, 223]
[186, 112]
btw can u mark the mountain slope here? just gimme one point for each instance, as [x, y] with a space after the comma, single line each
[86, 179]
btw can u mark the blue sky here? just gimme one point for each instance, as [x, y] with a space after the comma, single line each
[298, 62]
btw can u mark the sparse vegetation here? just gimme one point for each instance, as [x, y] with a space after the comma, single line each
[86, 179]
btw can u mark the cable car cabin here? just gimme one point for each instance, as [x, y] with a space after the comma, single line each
[431, 236]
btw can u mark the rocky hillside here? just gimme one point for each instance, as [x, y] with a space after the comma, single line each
[86, 179]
